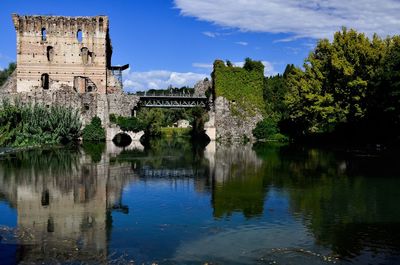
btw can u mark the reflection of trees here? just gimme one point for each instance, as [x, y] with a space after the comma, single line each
[40, 166]
[167, 154]
[95, 150]
[239, 185]
[343, 203]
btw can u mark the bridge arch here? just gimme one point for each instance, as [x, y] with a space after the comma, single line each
[114, 131]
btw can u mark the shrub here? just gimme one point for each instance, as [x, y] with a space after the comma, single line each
[128, 124]
[265, 129]
[25, 125]
[94, 131]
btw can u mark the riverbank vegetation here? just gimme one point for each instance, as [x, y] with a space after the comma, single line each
[37, 125]
[94, 131]
[347, 90]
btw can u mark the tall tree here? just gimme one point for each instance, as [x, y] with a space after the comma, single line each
[333, 87]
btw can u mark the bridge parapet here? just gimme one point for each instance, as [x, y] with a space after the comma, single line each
[173, 101]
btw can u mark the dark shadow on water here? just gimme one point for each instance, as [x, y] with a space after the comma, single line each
[122, 140]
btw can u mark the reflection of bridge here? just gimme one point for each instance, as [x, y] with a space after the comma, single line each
[169, 173]
[172, 101]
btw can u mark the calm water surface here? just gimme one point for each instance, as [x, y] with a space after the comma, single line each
[178, 203]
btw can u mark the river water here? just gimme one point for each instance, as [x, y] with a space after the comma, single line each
[180, 203]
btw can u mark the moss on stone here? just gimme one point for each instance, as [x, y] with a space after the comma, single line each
[240, 85]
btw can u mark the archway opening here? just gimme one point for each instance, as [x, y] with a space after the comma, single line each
[122, 140]
[45, 81]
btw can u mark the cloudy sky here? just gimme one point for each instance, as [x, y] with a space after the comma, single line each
[174, 42]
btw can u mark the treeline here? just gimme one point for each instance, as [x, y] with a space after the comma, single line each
[347, 90]
[170, 90]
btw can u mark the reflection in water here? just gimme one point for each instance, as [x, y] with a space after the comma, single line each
[178, 202]
[238, 182]
[62, 199]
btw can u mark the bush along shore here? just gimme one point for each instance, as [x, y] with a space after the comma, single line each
[23, 126]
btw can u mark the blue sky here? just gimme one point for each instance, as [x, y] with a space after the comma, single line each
[175, 41]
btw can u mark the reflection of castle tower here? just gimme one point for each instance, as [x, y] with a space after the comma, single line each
[63, 204]
[66, 218]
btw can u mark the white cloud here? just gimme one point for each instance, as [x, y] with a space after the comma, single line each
[158, 79]
[211, 34]
[243, 43]
[301, 18]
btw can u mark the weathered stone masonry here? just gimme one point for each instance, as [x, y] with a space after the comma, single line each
[67, 61]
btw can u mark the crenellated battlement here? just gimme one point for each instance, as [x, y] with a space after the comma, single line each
[60, 25]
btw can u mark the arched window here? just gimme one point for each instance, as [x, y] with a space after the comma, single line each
[44, 34]
[45, 81]
[79, 36]
[89, 89]
[101, 22]
[50, 53]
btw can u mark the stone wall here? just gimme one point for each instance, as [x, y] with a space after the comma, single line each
[89, 104]
[201, 87]
[233, 123]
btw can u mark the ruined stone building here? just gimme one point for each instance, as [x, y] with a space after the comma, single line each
[67, 61]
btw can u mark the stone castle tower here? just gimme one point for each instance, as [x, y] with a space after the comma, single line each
[66, 61]
[56, 51]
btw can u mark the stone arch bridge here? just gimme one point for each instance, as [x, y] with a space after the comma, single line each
[168, 100]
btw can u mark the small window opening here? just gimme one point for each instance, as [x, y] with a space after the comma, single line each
[79, 36]
[101, 24]
[44, 34]
[86, 106]
[50, 53]
[89, 89]
[45, 81]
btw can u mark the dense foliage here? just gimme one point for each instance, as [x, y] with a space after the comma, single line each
[170, 90]
[94, 131]
[243, 83]
[4, 74]
[127, 124]
[347, 89]
[24, 125]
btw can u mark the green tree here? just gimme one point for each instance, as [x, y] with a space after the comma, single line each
[333, 87]
[94, 131]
